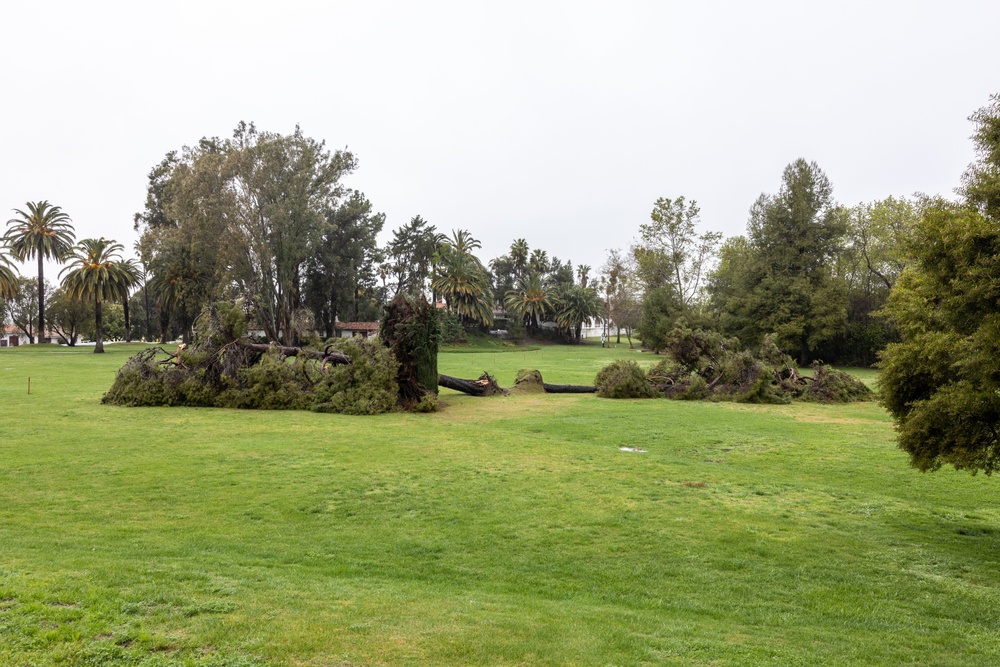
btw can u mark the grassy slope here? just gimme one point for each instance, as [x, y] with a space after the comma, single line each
[498, 531]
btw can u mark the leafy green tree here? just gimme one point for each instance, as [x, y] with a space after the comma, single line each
[726, 288]
[43, 232]
[661, 310]
[112, 323]
[942, 382]
[341, 275]
[877, 234]
[781, 281]
[981, 181]
[281, 186]
[68, 318]
[868, 266]
[23, 307]
[560, 274]
[241, 218]
[622, 294]
[672, 253]
[96, 273]
[130, 279]
[502, 276]
[185, 240]
[411, 255]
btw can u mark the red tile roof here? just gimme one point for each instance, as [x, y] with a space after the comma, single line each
[356, 326]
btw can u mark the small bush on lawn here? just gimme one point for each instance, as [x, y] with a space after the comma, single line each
[623, 378]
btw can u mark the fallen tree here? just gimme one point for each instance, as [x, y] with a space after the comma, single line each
[527, 381]
[485, 385]
[222, 368]
[706, 365]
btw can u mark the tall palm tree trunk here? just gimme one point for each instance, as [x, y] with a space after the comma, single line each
[41, 301]
[99, 324]
[149, 324]
[128, 323]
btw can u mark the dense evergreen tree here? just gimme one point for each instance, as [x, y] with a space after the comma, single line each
[341, 281]
[781, 280]
[410, 255]
[942, 382]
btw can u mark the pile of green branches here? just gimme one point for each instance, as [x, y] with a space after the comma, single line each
[706, 365]
[223, 368]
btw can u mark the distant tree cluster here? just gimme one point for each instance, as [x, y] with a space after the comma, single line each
[97, 275]
[265, 222]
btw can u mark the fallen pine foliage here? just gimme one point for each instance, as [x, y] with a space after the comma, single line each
[224, 369]
[706, 365]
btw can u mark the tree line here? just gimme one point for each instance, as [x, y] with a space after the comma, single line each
[264, 220]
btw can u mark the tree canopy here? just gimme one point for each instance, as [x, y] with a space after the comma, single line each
[97, 273]
[43, 232]
[779, 279]
[942, 382]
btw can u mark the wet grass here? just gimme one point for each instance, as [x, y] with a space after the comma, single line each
[503, 531]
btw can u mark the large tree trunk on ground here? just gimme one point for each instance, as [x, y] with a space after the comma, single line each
[569, 389]
[486, 385]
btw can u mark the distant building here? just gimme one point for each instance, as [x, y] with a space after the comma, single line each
[13, 337]
[351, 329]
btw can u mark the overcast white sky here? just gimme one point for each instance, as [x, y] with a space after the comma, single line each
[559, 122]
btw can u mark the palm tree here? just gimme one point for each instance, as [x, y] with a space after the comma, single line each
[575, 305]
[8, 279]
[461, 279]
[45, 232]
[530, 301]
[96, 272]
[132, 276]
[519, 256]
[465, 287]
[539, 262]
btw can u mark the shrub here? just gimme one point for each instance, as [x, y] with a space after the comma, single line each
[832, 386]
[452, 330]
[623, 378]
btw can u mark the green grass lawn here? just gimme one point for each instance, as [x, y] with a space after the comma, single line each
[499, 531]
